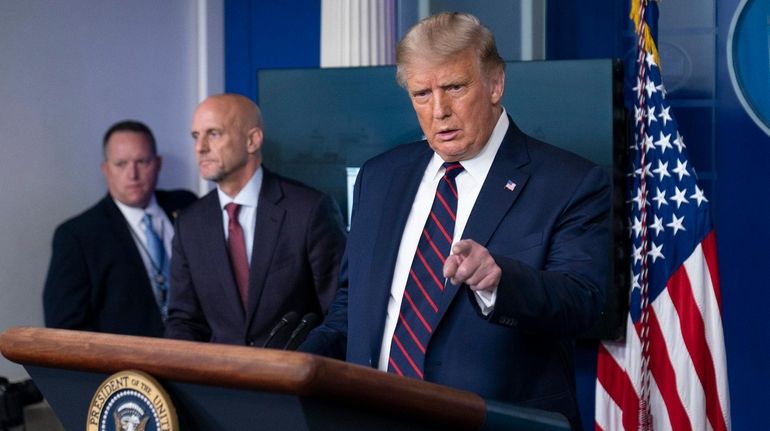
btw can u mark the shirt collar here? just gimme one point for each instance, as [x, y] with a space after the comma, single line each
[134, 214]
[478, 166]
[248, 195]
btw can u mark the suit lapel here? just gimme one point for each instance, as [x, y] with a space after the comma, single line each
[269, 220]
[495, 198]
[213, 238]
[123, 236]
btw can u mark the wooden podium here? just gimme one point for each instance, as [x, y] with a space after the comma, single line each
[220, 387]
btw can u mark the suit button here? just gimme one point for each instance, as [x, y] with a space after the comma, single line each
[508, 321]
[251, 342]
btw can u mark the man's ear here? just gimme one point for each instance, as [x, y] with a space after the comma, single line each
[498, 86]
[103, 167]
[255, 140]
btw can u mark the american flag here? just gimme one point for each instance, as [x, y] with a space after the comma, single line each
[670, 372]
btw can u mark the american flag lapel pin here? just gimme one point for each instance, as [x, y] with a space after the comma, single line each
[510, 185]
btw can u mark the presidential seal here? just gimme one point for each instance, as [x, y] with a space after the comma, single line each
[131, 401]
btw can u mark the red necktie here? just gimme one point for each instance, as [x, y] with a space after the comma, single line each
[420, 313]
[236, 246]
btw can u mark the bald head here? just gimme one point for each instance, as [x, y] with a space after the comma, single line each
[243, 109]
[227, 129]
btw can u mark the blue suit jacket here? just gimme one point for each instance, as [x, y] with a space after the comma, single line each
[550, 237]
[298, 243]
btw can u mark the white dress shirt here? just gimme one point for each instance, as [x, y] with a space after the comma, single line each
[160, 222]
[469, 184]
[247, 198]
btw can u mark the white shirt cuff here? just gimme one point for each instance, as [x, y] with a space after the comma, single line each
[486, 300]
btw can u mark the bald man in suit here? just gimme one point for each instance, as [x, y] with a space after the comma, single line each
[254, 249]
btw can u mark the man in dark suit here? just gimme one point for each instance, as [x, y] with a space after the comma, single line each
[477, 256]
[102, 276]
[254, 249]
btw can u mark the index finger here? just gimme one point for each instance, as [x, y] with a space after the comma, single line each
[462, 247]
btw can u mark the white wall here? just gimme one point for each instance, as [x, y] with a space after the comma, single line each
[68, 70]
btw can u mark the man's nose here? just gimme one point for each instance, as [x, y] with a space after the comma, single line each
[201, 145]
[441, 105]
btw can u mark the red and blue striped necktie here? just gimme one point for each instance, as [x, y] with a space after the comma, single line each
[420, 310]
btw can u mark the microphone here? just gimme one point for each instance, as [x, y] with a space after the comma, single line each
[287, 319]
[300, 332]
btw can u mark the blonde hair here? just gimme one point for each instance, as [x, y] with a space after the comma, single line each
[440, 37]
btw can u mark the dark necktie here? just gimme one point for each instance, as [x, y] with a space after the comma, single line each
[236, 246]
[157, 252]
[420, 313]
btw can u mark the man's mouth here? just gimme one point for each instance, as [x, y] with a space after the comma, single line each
[447, 135]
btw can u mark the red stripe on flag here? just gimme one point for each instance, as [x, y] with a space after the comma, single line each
[619, 387]
[709, 246]
[694, 337]
[665, 376]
